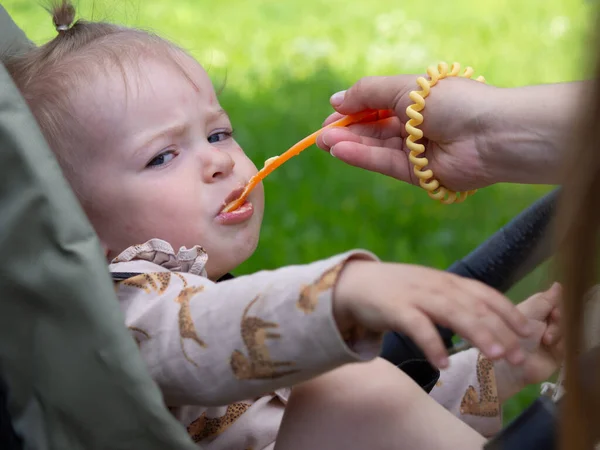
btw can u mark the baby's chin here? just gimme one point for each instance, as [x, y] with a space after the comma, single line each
[246, 247]
[231, 254]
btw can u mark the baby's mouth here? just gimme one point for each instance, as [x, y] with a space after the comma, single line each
[233, 195]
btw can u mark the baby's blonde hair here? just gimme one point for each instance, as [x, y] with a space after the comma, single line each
[49, 76]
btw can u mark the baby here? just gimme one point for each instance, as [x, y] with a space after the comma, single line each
[277, 359]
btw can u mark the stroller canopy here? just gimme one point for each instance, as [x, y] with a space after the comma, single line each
[70, 372]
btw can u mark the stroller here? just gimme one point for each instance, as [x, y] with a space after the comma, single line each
[71, 376]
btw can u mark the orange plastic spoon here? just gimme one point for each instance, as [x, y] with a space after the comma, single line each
[273, 163]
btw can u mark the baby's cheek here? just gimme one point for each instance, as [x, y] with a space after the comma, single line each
[244, 163]
[238, 149]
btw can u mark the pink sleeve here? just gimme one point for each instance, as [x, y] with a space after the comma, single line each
[213, 344]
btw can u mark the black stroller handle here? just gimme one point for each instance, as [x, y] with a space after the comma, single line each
[513, 251]
[534, 429]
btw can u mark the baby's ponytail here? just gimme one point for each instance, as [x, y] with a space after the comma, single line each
[63, 15]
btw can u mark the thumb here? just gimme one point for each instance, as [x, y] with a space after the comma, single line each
[376, 92]
[540, 305]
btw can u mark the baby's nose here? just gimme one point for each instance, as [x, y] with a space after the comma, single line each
[221, 165]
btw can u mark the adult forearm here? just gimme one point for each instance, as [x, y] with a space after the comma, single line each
[526, 131]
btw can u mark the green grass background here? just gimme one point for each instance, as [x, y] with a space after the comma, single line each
[283, 59]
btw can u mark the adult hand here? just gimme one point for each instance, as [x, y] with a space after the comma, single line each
[475, 134]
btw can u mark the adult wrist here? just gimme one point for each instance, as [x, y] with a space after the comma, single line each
[525, 131]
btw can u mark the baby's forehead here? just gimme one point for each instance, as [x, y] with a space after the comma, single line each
[140, 82]
[146, 70]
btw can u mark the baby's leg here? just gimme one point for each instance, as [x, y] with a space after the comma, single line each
[372, 406]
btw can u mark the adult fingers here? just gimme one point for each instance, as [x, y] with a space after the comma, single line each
[378, 136]
[329, 138]
[387, 161]
[381, 130]
[377, 92]
[332, 118]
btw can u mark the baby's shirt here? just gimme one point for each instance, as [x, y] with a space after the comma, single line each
[210, 343]
[214, 349]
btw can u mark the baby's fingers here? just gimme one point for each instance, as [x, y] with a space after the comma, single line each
[552, 334]
[555, 294]
[476, 323]
[483, 332]
[505, 309]
[555, 315]
[505, 337]
[422, 331]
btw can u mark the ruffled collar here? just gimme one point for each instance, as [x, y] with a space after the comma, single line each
[157, 251]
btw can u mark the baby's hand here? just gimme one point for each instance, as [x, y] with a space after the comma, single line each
[410, 299]
[544, 347]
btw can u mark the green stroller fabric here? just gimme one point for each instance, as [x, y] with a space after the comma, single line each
[74, 377]
[12, 39]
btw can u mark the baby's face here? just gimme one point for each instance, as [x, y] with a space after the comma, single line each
[163, 164]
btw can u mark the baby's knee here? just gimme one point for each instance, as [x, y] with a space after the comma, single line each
[376, 386]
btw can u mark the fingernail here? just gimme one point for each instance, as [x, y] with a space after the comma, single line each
[517, 357]
[527, 328]
[443, 362]
[324, 140]
[337, 98]
[332, 151]
[496, 350]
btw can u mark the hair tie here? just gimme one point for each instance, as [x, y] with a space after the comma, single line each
[62, 27]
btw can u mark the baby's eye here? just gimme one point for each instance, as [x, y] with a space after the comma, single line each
[220, 136]
[162, 159]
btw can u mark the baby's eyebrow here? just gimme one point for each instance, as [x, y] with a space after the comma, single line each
[173, 130]
[217, 114]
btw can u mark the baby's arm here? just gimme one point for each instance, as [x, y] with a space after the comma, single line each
[212, 343]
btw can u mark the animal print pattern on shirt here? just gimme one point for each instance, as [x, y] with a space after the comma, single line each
[148, 282]
[136, 335]
[258, 364]
[205, 427]
[309, 295]
[187, 329]
[484, 404]
[159, 282]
